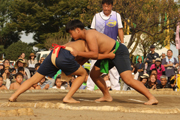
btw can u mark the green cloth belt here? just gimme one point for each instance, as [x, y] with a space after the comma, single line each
[104, 65]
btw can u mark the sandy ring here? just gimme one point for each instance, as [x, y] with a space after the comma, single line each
[49, 105]
[17, 112]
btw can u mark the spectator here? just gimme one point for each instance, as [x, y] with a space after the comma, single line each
[164, 83]
[144, 79]
[1, 69]
[163, 56]
[21, 63]
[35, 87]
[107, 81]
[6, 75]
[41, 60]
[152, 83]
[140, 66]
[170, 63]
[60, 84]
[31, 63]
[19, 79]
[24, 59]
[84, 85]
[44, 83]
[2, 87]
[158, 67]
[12, 75]
[37, 65]
[21, 70]
[151, 57]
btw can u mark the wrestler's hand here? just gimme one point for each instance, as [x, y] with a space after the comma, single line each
[111, 55]
[74, 52]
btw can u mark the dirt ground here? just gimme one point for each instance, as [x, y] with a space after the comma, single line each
[87, 99]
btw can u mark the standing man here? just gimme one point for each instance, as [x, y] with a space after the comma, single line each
[170, 63]
[108, 22]
[151, 57]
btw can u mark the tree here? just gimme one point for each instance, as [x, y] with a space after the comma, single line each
[45, 17]
[8, 34]
[15, 49]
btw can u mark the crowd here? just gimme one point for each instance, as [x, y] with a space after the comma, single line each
[155, 72]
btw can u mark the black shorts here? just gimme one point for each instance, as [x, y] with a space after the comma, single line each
[65, 61]
[121, 60]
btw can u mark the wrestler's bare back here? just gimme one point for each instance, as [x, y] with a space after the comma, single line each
[81, 46]
[105, 43]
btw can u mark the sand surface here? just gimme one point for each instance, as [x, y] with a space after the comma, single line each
[128, 101]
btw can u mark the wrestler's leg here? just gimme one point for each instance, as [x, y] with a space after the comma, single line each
[81, 73]
[95, 75]
[137, 85]
[26, 85]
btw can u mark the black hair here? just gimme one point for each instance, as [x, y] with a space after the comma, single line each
[109, 2]
[1, 76]
[104, 75]
[37, 65]
[5, 60]
[20, 69]
[18, 74]
[87, 70]
[170, 50]
[73, 24]
[12, 69]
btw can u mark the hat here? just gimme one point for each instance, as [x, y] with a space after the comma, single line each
[158, 59]
[144, 76]
[20, 60]
[32, 54]
[152, 46]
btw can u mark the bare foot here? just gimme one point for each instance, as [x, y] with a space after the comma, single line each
[104, 99]
[71, 100]
[153, 101]
[11, 99]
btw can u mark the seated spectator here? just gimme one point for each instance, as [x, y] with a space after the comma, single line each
[2, 87]
[37, 65]
[21, 63]
[164, 82]
[84, 85]
[44, 83]
[72, 80]
[41, 60]
[12, 75]
[152, 83]
[17, 84]
[6, 79]
[144, 79]
[160, 69]
[35, 87]
[21, 70]
[154, 72]
[6, 63]
[60, 84]
[175, 82]
[1, 69]
[107, 81]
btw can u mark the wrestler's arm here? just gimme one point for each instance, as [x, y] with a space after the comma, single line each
[81, 60]
[93, 47]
